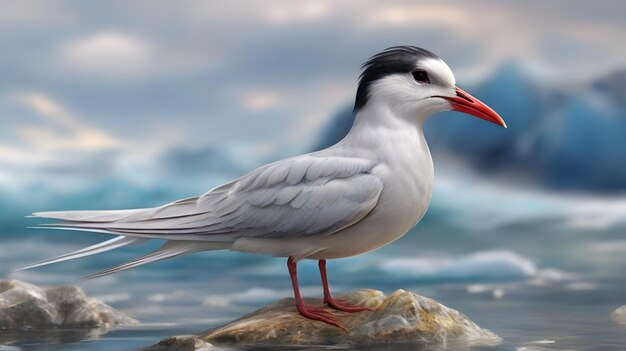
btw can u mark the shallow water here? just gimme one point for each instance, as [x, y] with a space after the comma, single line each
[552, 288]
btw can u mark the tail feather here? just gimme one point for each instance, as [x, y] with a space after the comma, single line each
[179, 222]
[169, 250]
[179, 208]
[179, 217]
[117, 242]
[89, 216]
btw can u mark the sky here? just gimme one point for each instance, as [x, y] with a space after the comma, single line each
[112, 89]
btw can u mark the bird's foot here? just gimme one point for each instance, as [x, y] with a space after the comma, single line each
[343, 305]
[319, 314]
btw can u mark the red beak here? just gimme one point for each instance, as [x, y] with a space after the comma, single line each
[464, 102]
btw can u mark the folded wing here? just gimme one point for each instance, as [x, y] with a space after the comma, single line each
[312, 194]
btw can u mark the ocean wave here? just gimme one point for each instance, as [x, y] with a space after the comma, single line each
[617, 247]
[441, 267]
[478, 204]
[255, 295]
[495, 291]
[482, 265]
[114, 297]
[551, 276]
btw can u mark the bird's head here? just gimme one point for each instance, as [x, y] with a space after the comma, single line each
[415, 83]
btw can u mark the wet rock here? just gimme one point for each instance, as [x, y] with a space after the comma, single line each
[619, 315]
[23, 305]
[401, 317]
[181, 343]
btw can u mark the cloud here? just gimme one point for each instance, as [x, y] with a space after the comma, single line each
[261, 100]
[67, 132]
[290, 13]
[52, 145]
[112, 55]
[418, 16]
[117, 56]
[33, 12]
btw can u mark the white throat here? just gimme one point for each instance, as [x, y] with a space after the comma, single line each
[398, 144]
[378, 125]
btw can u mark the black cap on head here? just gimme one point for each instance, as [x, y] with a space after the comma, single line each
[396, 59]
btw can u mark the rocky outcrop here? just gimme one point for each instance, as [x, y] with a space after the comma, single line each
[401, 317]
[619, 315]
[181, 343]
[23, 305]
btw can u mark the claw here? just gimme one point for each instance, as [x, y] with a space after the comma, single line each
[343, 305]
[319, 314]
[318, 311]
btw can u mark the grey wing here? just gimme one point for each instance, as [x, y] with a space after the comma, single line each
[305, 195]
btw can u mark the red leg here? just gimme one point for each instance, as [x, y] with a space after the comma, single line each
[315, 313]
[337, 304]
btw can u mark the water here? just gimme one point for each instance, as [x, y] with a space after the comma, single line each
[538, 283]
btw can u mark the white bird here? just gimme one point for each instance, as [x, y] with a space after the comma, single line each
[356, 196]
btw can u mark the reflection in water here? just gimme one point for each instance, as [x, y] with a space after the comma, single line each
[33, 336]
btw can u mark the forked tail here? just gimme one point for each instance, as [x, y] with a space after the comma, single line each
[171, 248]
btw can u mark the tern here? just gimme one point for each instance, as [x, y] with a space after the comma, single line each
[356, 196]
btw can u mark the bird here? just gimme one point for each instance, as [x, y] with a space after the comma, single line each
[364, 192]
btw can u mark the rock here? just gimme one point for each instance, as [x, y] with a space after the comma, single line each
[181, 343]
[23, 305]
[401, 317]
[619, 315]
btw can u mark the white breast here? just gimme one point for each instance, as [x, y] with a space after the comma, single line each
[405, 166]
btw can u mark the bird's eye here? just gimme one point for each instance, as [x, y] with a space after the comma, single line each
[420, 76]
